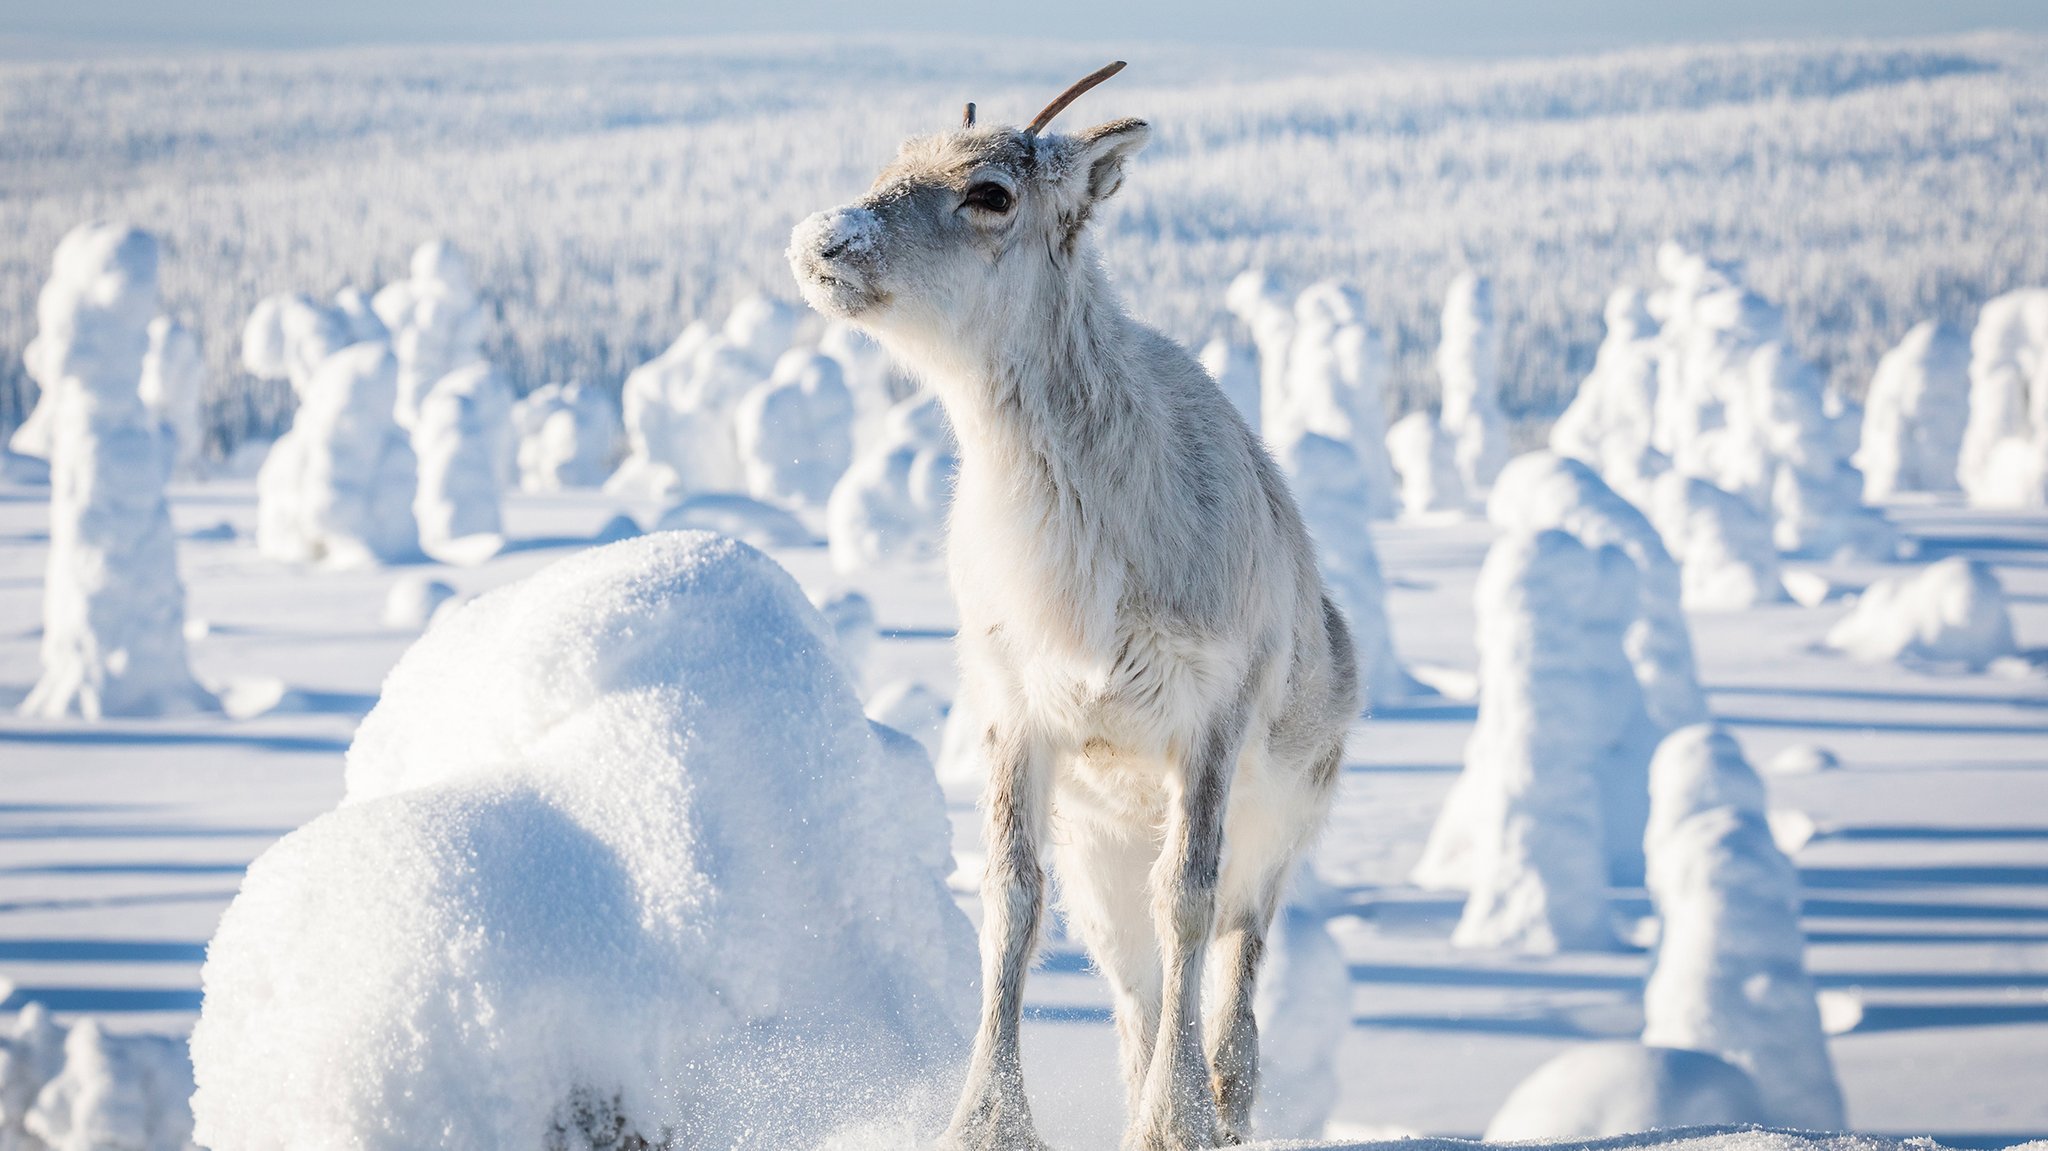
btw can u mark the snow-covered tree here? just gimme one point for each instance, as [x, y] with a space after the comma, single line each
[436, 324]
[1915, 413]
[1426, 456]
[337, 489]
[173, 379]
[1330, 486]
[457, 433]
[1235, 368]
[1723, 547]
[1612, 417]
[113, 603]
[569, 437]
[890, 506]
[1468, 366]
[2004, 458]
[796, 431]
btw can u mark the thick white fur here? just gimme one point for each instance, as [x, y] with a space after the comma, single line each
[1141, 619]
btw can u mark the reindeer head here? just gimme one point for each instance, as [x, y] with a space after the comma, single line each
[965, 231]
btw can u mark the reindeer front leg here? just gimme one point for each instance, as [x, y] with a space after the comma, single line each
[1179, 1108]
[994, 1114]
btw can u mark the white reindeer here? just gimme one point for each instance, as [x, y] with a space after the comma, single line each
[1141, 621]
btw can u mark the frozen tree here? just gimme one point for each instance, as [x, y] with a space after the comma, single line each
[568, 437]
[680, 407]
[1524, 826]
[83, 1089]
[413, 600]
[113, 605]
[1914, 414]
[762, 327]
[2004, 458]
[456, 433]
[436, 324]
[1726, 559]
[1255, 298]
[1333, 387]
[288, 335]
[1235, 368]
[1606, 1089]
[1303, 1009]
[657, 421]
[1427, 458]
[796, 431]
[337, 489]
[871, 379]
[890, 506]
[1730, 975]
[1468, 365]
[173, 379]
[1331, 487]
[1950, 612]
[1611, 420]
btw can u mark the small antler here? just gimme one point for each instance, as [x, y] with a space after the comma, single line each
[1072, 94]
[967, 117]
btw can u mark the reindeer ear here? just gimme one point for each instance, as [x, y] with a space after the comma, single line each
[1101, 151]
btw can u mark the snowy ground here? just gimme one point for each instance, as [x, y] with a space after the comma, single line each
[1927, 887]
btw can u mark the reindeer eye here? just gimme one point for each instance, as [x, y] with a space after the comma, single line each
[990, 197]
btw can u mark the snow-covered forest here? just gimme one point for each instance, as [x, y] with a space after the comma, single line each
[607, 192]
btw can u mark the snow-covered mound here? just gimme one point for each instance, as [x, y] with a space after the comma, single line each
[578, 885]
[1726, 559]
[1426, 456]
[113, 604]
[1612, 418]
[338, 488]
[569, 437]
[1950, 612]
[2004, 458]
[1605, 1089]
[435, 322]
[79, 1088]
[890, 506]
[172, 385]
[1332, 488]
[1525, 825]
[1737, 408]
[459, 431]
[1915, 413]
[1730, 975]
[795, 432]
[1468, 364]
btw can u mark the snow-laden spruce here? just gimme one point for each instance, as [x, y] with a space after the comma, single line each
[113, 604]
[1735, 406]
[1426, 456]
[337, 489]
[1607, 1089]
[1952, 612]
[1235, 368]
[1611, 421]
[1468, 367]
[1723, 547]
[1524, 827]
[1332, 489]
[871, 380]
[435, 322]
[680, 406]
[795, 432]
[1730, 974]
[578, 885]
[459, 432]
[2004, 457]
[1304, 1011]
[1915, 413]
[172, 386]
[81, 1088]
[569, 437]
[890, 506]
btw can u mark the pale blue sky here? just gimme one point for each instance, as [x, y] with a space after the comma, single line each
[1488, 27]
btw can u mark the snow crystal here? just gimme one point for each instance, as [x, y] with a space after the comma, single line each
[338, 488]
[1525, 823]
[1605, 1089]
[1915, 413]
[1468, 364]
[890, 506]
[1949, 612]
[795, 432]
[2004, 458]
[1730, 975]
[1331, 488]
[569, 437]
[113, 604]
[1723, 547]
[762, 525]
[460, 429]
[620, 858]
[1426, 457]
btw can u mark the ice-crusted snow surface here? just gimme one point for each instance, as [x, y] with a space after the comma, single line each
[1730, 974]
[1953, 611]
[113, 638]
[582, 873]
[1609, 1089]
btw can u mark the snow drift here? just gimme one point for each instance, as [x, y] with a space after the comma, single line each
[1950, 612]
[1730, 975]
[113, 604]
[619, 858]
